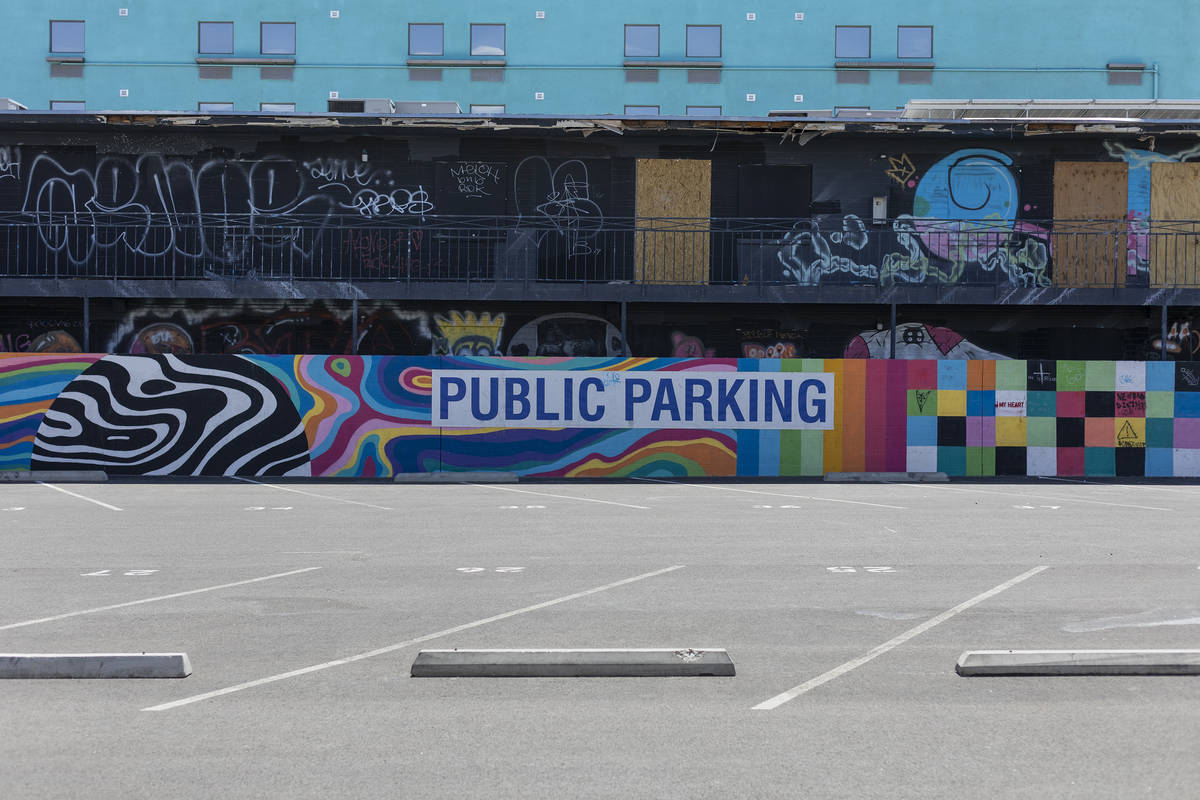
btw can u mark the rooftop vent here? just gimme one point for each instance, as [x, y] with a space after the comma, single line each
[367, 105]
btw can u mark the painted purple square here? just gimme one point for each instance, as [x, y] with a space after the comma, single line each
[1187, 434]
[981, 431]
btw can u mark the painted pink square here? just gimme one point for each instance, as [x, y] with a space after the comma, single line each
[1187, 434]
[1070, 460]
[922, 374]
[1071, 404]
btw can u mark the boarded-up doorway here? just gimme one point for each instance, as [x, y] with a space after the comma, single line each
[1090, 202]
[1174, 211]
[674, 204]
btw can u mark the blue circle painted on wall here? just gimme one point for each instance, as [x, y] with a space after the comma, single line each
[968, 185]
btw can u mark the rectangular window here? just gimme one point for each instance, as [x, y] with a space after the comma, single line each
[216, 37]
[66, 105]
[852, 41]
[641, 111]
[641, 41]
[206, 107]
[277, 38]
[426, 39]
[277, 108]
[487, 40]
[703, 41]
[485, 109]
[914, 41]
[66, 36]
[703, 111]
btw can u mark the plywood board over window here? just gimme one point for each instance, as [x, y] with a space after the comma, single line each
[674, 204]
[1090, 202]
[1175, 230]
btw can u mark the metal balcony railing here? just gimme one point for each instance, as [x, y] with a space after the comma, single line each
[821, 251]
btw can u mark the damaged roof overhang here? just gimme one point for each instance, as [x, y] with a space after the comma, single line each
[794, 128]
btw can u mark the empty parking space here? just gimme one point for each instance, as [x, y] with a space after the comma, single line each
[301, 606]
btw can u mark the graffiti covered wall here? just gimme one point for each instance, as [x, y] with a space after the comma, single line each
[356, 416]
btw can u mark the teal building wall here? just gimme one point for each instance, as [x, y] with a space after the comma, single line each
[571, 60]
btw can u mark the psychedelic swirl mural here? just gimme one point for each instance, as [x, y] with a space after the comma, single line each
[343, 416]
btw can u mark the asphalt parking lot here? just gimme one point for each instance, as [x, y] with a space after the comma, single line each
[844, 608]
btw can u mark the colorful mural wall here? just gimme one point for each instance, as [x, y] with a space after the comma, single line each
[369, 416]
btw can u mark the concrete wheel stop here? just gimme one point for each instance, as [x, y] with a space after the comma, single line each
[1021, 663]
[586, 663]
[94, 665]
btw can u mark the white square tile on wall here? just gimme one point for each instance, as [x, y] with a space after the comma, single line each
[1041, 461]
[922, 459]
[1131, 376]
[1010, 403]
[1187, 463]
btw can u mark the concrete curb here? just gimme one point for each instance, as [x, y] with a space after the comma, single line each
[979, 663]
[592, 663]
[53, 475]
[456, 477]
[94, 665]
[887, 477]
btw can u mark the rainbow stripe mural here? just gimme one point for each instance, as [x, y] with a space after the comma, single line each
[347, 416]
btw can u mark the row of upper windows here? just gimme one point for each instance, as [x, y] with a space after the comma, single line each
[854, 41]
[428, 39]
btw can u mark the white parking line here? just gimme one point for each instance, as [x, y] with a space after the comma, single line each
[407, 643]
[153, 599]
[1029, 495]
[773, 494]
[314, 494]
[81, 497]
[807, 686]
[559, 496]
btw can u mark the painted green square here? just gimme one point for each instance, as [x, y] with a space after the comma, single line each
[1101, 376]
[1041, 431]
[1041, 404]
[981, 461]
[1100, 461]
[1160, 404]
[791, 453]
[1011, 376]
[922, 402]
[1160, 432]
[1071, 376]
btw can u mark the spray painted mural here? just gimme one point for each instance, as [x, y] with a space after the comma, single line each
[340, 416]
[214, 212]
[915, 340]
[964, 227]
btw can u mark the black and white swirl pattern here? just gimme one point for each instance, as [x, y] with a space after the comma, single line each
[174, 415]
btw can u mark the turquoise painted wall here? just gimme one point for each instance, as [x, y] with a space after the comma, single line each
[574, 55]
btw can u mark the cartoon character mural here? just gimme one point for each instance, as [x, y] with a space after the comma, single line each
[684, 346]
[916, 340]
[567, 335]
[1182, 343]
[468, 334]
